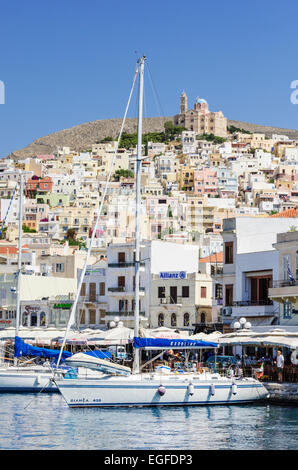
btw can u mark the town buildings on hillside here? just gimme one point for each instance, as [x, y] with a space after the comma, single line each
[218, 227]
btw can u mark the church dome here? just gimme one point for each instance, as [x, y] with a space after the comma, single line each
[201, 100]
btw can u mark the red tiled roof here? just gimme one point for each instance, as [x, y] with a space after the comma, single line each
[12, 250]
[288, 213]
[214, 258]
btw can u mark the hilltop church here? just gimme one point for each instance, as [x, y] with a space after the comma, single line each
[200, 119]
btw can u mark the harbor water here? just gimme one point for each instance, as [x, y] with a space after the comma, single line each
[44, 422]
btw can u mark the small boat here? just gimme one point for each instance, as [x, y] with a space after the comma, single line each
[94, 363]
[31, 378]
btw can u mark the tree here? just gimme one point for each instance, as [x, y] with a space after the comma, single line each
[123, 173]
[211, 138]
[26, 229]
[71, 234]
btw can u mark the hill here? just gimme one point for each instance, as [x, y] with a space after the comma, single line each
[82, 136]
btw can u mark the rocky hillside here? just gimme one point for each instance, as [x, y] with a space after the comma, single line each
[82, 137]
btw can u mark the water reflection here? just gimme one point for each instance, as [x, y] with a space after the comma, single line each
[49, 424]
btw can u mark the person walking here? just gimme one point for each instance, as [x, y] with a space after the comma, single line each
[280, 362]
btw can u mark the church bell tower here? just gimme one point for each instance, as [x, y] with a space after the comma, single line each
[183, 103]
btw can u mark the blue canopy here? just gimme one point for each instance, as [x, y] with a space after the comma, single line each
[163, 343]
[24, 349]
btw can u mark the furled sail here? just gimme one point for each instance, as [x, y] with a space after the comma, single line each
[164, 343]
[24, 349]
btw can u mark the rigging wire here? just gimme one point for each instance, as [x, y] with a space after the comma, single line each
[72, 313]
[155, 94]
[8, 209]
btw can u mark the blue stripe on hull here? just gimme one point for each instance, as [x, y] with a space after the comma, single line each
[178, 403]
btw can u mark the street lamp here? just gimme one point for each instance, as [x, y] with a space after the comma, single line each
[242, 324]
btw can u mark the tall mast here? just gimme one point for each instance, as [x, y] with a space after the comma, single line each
[136, 365]
[18, 301]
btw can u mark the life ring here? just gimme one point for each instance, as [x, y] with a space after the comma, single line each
[294, 357]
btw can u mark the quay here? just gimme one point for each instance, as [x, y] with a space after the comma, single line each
[282, 393]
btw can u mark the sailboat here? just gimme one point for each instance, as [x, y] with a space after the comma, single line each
[101, 385]
[27, 378]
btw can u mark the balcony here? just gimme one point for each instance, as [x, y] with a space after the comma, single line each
[116, 289]
[88, 299]
[170, 300]
[124, 290]
[284, 289]
[124, 313]
[123, 265]
[249, 303]
[253, 308]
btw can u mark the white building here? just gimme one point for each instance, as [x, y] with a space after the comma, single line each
[250, 265]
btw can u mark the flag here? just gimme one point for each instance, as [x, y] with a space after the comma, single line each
[290, 275]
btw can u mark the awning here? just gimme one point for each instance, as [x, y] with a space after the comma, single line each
[274, 337]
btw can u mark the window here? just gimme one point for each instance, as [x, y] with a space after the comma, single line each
[92, 316]
[203, 292]
[102, 288]
[62, 317]
[161, 292]
[59, 268]
[229, 295]
[285, 266]
[83, 289]
[173, 294]
[33, 319]
[218, 291]
[123, 305]
[121, 257]
[228, 252]
[42, 319]
[185, 291]
[186, 319]
[121, 281]
[102, 315]
[82, 317]
[161, 319]
[173, 319]
[287, 307]
[92, 291]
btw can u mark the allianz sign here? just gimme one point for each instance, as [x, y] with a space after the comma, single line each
[173, 275]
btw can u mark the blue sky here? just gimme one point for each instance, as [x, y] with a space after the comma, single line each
[66, 62]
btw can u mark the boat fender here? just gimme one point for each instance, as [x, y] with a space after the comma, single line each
[234, 389]
[38, 379]
[191, 389]
[294, 357]
[161, 390]
[212, 389]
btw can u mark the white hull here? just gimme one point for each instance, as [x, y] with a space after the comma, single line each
[18, 380]
[142, 390]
